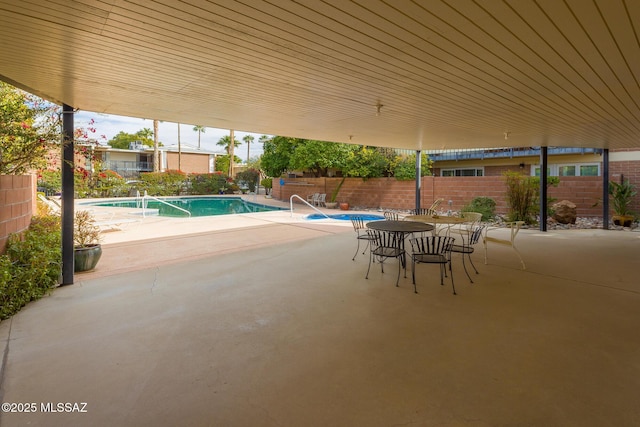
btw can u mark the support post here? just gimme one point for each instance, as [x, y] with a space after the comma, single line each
[418, 178]
[68, 191]
[544, 151]
[605, 189]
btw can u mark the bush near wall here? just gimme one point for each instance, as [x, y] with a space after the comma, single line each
[31, 266]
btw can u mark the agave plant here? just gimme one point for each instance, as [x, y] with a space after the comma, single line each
[622, 194]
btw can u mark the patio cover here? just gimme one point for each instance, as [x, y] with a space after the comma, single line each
[407, 74]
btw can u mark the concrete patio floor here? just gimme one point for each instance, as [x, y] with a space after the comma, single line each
[268, 322]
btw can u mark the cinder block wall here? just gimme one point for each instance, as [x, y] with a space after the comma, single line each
[389, 193]
[17, 204]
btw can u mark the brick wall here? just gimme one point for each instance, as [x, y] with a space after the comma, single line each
[17, 204]
[189, 162]
[389, 193]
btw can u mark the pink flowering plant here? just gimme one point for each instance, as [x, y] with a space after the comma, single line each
[29, 129]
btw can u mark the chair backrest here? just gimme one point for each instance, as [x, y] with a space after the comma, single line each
[476, 233]
[358, 223]
[472, 217]
[431, 245]
[385, 239]
[322, 197]
[424, 211]
[388, 215]
[435, 204]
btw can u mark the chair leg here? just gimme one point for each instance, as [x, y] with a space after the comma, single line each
[520, 257]
[369, 267]
[465, 268]
[398, 278]
[357, 249]
[413, 275]
[452, 285]
[472, 264]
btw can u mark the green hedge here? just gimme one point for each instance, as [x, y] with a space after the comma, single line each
[31, 266]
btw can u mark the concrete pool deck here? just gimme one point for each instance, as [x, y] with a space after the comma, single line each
[286, 331]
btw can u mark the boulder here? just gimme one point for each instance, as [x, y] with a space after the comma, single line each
[565, 212]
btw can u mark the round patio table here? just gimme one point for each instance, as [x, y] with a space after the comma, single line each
[404, 227]
[437, 219]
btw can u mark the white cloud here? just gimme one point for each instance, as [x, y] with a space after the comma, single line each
[110, 125]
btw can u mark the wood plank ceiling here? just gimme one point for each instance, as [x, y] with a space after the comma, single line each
[428, 74]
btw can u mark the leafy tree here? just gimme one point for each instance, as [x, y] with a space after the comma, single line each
[365, 162]
[29, 129]
[276, 155]
[319, 156]
[222, 163]
[405, 169]
[123, 139]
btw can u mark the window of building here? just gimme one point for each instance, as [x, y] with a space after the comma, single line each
[462, 172]
[575, 169]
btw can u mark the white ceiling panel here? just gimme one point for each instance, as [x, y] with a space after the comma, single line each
[447, 74]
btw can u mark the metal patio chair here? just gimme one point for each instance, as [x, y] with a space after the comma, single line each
[431, 250]
[360, 227]
[467, 247]
[385, 245]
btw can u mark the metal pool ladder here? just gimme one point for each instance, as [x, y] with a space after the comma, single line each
[306, 203]
[142, 203]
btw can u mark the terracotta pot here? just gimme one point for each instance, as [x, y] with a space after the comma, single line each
[344, 206]
[623, 220]
[86, 258]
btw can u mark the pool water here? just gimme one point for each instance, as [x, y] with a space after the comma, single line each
[347, 216]
[198, 206]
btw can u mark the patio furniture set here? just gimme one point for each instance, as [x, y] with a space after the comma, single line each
[433, 240]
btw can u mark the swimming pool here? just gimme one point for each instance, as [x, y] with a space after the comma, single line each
[347, 216]
[198, 206]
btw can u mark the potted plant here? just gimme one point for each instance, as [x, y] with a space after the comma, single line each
[86, 238]
[332, 203]
[622, 194]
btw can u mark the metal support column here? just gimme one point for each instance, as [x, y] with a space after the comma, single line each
[605, 189]
[67, 195]
[544, 151]
[418, 178]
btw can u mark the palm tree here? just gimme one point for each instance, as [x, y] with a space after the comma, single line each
[200, 130]
[225, 142]
[248, 139]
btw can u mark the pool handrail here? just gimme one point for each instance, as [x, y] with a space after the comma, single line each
[144, 204]
[306, 203]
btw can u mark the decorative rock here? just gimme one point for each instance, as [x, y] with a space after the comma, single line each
[565, 212]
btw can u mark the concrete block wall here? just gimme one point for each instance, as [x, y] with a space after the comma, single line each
[389, 193]
[17, 205]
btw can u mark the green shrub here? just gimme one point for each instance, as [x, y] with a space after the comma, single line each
[50, 181]
[267, 183]
[31, 266]
[210, 183]
[169, 183]
[249, 178]
[484, 205]
[523, 196]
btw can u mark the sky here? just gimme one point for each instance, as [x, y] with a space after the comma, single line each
[110, 125]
